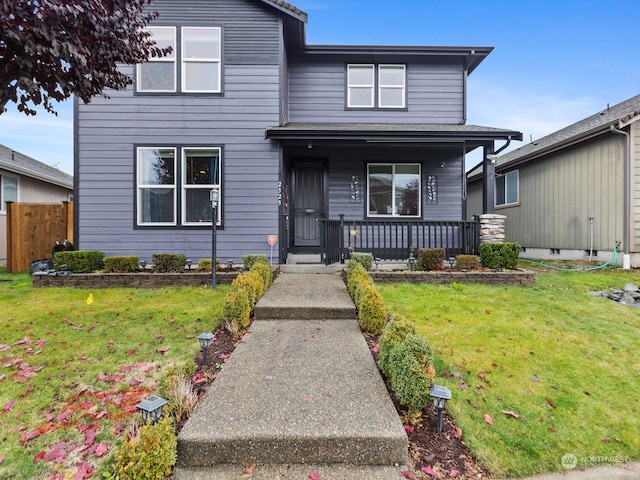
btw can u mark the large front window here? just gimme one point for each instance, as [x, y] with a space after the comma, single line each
[160, 170]
[507, 188]
[393, 190]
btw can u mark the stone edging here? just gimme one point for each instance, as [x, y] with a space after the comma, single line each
[513, 277]
[142, 279]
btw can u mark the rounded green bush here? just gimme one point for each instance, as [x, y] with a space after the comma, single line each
[394, 332]
[236, 307]
[264, 269]
[412, 372]
[371, 310]
[150, 455]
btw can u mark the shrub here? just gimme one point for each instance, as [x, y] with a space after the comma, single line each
[357, 279]
[79, 261]
[364, 259]
[252, 283]
[264, 270]
[499, 255]
[205, 264]
[395, 332]
[412, 372]
[150, 454]
[468, 262]
[430, 259]
[121, 264]
[236, 309]
[177, 388]
[371, 310]
[169, 262]
[249, 259]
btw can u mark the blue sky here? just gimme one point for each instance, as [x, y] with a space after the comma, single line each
[555, 61]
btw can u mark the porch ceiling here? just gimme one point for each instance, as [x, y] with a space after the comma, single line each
[472, 135]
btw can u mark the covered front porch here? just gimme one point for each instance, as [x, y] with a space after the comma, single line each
[379, 188]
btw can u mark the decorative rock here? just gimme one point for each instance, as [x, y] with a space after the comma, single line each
[631, 287]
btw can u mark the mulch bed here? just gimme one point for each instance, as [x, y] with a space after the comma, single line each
[431, 454]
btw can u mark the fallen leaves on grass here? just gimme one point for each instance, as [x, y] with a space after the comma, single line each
[488, 419]
[510, 413]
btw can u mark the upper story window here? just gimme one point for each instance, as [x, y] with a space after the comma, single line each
[393, 190]
[8, 191]
[174, 185]
[381, 86]
[507, 188]
[199, 57]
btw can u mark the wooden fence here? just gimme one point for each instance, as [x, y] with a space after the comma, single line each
[33, 230]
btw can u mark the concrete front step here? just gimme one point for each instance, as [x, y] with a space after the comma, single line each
[306, 296]
[289, 472]
[296, 392]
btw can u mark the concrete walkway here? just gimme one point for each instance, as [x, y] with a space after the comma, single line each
[300, 394]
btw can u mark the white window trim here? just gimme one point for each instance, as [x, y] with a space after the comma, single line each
[506, 193]
[402, 88]
[208, 187]
[172, 59]
[217, 60]
[141, 186]
[357, 85]
[2, 199]
[393, 191]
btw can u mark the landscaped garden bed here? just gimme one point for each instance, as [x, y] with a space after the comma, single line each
[140, 279]
[510, 277]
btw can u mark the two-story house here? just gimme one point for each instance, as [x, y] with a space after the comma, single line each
[295, 136]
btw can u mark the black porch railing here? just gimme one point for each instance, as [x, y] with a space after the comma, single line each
[394, 240]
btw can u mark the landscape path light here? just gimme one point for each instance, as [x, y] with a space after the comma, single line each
[214, 196]
[151, 408]
[142, 263]
[452, 261]
[205, 342]
[441, 395]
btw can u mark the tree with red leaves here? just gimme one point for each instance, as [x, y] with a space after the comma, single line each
[52, 49]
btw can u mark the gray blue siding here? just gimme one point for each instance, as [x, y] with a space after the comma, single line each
[435, 94]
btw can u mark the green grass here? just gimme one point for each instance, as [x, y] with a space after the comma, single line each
[73, 366]
[565, 361]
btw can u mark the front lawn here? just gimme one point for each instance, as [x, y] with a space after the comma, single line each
[537, 371]
[75, 362]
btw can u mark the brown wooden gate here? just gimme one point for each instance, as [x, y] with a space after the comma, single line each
[33, 230]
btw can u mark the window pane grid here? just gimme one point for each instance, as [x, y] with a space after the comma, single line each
[158, 74]
[201, 59]
[200, 172]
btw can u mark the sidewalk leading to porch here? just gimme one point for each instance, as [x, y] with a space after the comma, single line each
[301, 393]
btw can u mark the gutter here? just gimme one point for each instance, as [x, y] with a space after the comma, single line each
[626, 232]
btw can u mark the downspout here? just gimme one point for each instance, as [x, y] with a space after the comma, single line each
[626, 236]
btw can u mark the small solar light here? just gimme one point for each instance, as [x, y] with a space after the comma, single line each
[412, 262]
[452, 261]
[377, 260]
[189, 262]
[205, 342]
[151, 408]
[230, 263]
[441, 395]
[142, 263]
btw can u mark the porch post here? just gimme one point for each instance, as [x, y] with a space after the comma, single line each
[488, 180]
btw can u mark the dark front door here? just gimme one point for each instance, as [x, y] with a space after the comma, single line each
[308, 205]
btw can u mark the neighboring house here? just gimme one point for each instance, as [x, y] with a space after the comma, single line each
[294, 135]
[25, 180]
[573, 194]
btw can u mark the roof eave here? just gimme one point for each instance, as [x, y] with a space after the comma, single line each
[17, 169]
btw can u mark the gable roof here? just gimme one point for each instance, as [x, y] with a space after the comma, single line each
[288, 8]
[20, 164]
[596, 124]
